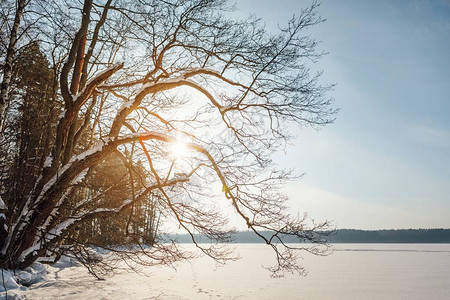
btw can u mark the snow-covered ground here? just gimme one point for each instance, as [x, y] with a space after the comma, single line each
[353, 271]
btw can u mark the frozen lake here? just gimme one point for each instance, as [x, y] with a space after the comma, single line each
[353, 271]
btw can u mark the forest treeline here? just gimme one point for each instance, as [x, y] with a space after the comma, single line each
[391, 236]
[438, 235]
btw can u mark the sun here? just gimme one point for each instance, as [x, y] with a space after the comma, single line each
[179, 150]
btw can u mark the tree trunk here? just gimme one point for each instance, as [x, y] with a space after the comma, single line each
[7, 69]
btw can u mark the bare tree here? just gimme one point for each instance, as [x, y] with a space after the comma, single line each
[202, 98]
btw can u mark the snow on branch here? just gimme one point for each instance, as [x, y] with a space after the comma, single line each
[57, 232]
[2, 204]
[86, 92]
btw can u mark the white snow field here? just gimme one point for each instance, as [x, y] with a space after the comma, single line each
[353, 271]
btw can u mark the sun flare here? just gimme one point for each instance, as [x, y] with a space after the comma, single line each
[178, 150]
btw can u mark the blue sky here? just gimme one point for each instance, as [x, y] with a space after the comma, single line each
[385, 163]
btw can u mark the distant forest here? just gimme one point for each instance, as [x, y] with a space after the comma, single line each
[349, 236]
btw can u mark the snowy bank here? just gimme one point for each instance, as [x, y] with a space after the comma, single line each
[12, 281]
